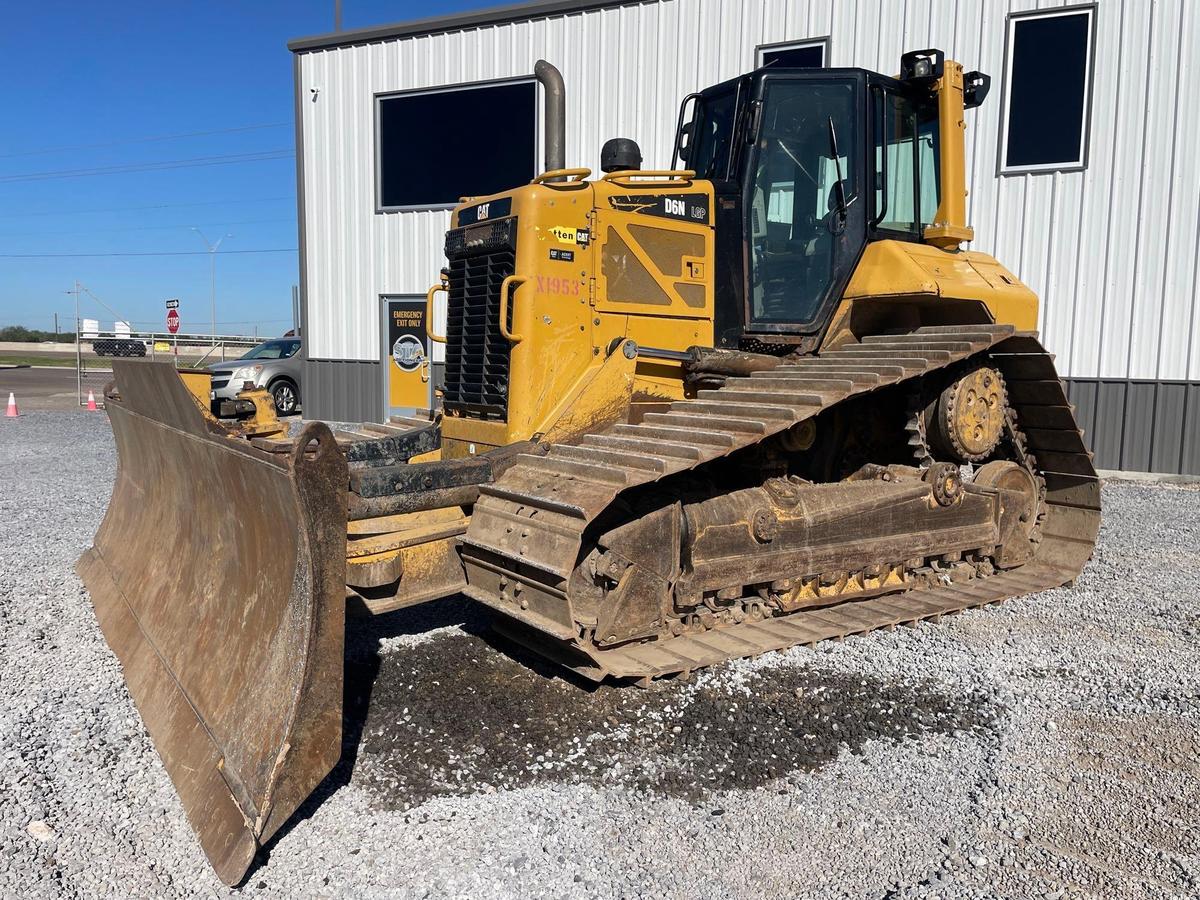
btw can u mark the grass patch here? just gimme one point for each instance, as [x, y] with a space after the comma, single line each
[47, 360]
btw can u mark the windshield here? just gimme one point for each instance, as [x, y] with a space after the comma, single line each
[273, 350]
[797, 212]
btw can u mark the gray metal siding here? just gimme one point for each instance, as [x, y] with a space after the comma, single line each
[1111, 250]
[343, 390]
[1139, 426]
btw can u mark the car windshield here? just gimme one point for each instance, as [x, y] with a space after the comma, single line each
[273, 350]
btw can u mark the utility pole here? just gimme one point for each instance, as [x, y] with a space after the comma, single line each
[78, 348]
[56, 327]
[337, 15]
[212, 273]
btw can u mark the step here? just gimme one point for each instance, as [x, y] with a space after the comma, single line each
[792, 398]
[849, 368]
[624, 459]
[408, 421]
[748, 411]
[906, 359]
[926, 346]
[387, 430]
[733, 424]
[970, 337]
[769, 381]
[666, 433]
[573, 469]
[667, 449]
[994, 332]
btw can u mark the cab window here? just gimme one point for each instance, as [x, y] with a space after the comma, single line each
[906, 164]
[712, 138]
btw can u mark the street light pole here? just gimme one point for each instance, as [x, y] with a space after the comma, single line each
[212, 275]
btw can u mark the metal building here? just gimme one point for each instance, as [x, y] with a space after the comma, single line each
[1085, 178]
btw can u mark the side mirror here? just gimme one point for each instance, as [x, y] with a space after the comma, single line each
[684, 148]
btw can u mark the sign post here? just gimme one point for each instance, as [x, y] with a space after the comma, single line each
[173, 325]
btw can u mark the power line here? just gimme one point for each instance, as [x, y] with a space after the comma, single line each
[49, 317]
[128, 168]
[181, 225]
[107, 209]
[146, 140]
[153, 253]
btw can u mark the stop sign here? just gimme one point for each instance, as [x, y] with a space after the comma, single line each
[172, 320]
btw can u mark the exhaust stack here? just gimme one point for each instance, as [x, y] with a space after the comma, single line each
[556, 114]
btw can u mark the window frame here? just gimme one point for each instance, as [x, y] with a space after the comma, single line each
[881, 86]
[855, 231]
[1085, 132]
[376, 103]
[823, 42]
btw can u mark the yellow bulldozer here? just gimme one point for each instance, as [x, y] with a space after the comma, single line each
[761, 398]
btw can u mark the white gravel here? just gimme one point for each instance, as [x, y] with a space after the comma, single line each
[1045, 748]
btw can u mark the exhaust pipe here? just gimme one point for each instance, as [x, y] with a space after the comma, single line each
[556, 115]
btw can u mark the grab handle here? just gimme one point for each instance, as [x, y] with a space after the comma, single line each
[518, 280]
[440, 286]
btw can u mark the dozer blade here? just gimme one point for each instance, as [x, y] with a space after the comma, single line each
[217, 577]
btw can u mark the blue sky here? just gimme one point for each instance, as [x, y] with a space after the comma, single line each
[94, 86]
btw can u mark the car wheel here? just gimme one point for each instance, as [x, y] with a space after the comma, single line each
[286, 397]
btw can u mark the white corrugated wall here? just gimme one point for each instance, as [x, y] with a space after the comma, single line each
[1111, 250]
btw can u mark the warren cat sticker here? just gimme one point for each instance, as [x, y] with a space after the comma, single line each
[564, 235]
[685, 207]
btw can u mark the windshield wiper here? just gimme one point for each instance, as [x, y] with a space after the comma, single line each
[843, 203]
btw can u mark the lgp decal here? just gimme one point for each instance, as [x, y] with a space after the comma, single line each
[686, 207]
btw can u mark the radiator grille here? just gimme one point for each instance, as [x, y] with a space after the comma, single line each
[480, 258]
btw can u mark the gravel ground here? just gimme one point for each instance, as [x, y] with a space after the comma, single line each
[1044, 748]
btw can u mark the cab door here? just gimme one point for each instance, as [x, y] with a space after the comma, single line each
[804, 197]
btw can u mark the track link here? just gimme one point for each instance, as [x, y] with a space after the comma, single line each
[527, 529]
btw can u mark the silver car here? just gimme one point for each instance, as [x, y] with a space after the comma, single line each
[274, 365]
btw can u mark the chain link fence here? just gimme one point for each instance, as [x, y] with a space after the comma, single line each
[94, 355]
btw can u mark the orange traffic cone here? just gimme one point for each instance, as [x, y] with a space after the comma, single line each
[91, 402]
[11, 412]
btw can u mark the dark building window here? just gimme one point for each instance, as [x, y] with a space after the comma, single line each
[436, 146]
[804, 55]
[1047, 90]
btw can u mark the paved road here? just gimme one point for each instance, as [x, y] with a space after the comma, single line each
[40, 389]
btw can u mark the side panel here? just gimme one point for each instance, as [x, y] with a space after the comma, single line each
[919, 273]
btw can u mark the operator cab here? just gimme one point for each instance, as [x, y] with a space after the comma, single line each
[807, 167]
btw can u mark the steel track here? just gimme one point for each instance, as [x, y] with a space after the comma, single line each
[528, 528]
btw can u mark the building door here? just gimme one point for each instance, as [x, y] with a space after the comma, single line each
[406, 363]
